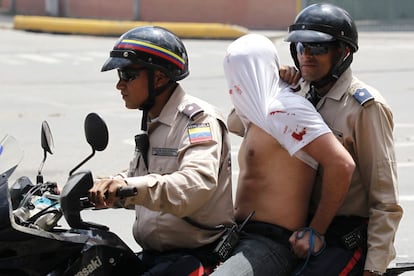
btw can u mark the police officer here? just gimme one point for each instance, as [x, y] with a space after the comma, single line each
[181, 167]
[360, 239]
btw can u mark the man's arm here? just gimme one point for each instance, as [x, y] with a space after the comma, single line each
[337, 167]
[235, 124]
[378, 167]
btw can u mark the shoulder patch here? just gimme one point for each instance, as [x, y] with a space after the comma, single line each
[199, 133]
[192, 110]
[362, 95]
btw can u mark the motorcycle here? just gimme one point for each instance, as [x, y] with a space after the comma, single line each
[31, 240]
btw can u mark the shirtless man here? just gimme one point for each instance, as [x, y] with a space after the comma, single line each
[263, 164]
[284, 142]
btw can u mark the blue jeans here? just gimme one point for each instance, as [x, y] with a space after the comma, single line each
[256, 255]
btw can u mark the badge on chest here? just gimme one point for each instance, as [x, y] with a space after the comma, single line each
[164, 152]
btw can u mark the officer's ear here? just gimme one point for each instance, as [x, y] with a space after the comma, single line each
[347, 53]
[160, 79]
[343, 50]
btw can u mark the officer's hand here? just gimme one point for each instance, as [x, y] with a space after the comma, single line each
[300, 243]
[289, 74]
[103, 192]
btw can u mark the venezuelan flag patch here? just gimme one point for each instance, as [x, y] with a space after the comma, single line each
[199, 133]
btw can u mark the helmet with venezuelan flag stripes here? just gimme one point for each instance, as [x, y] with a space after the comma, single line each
[152, 47]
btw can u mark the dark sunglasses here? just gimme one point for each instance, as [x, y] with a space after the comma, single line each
[129, 74]
[314, 48]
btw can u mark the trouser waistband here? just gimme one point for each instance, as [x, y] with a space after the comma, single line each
[268, 230]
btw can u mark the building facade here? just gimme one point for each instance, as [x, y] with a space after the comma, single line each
[252, 14]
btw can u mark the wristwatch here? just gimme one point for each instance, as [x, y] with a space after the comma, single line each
[376, 273]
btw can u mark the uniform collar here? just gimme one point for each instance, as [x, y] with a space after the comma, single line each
[341, 86]
[337, 91]
[169, 111]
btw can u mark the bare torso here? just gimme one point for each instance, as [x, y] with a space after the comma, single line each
[271, 182]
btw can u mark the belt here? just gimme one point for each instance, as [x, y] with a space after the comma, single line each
[342, 225]
[268, 230]
[349, 232]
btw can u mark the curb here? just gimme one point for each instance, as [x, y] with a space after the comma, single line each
[117, 28]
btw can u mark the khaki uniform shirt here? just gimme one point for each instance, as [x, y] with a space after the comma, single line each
[361, 119]
[188, 175]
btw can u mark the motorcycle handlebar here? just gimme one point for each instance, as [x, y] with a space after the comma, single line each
[122, 192]
[126, 191]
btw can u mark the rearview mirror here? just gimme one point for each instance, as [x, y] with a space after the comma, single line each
[96, 132]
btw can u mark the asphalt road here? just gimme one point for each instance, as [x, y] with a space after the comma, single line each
[57, 78]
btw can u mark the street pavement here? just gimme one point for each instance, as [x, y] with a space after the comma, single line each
[57, 78]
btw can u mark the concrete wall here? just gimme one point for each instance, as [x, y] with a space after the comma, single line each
[30, 7]
[105, 9]
[262, 14]
[253, 14]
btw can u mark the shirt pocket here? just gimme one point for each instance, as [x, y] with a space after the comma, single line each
[163, 160]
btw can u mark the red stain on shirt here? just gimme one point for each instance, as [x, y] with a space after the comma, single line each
[237, 89]
[299, 136]
[277, 111]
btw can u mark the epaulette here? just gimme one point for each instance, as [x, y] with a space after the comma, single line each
[192, 110]
[362, 96]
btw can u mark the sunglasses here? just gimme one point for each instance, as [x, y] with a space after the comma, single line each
[314, 49]
[130, 74]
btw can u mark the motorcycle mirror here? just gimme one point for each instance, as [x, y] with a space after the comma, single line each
[46, 141]
[46, 138]
[96, 133]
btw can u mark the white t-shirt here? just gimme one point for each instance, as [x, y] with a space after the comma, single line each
[251, 66]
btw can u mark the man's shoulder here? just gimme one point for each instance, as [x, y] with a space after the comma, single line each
[364, 94]
[191, 109]
[195, 108]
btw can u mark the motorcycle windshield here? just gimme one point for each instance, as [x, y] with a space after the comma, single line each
[10, 155]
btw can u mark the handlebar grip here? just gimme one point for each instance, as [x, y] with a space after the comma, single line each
[126, 191]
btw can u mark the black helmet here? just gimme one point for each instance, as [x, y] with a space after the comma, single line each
[324, 23]
[153, 47]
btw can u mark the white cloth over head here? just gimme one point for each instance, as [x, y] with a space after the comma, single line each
[251, 66]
